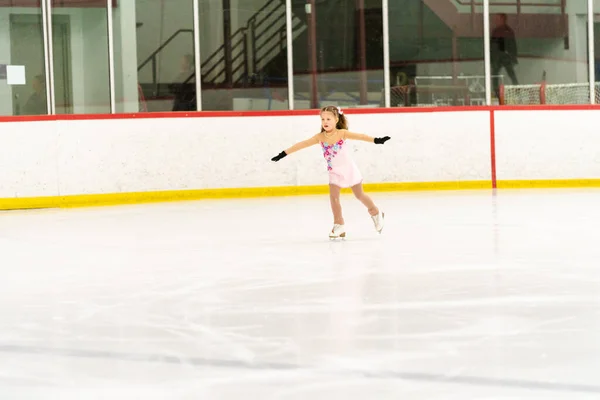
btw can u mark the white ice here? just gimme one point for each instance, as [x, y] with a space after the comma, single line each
[465, 295]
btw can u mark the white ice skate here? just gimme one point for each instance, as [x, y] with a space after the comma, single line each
[378, 220]
[338, 231]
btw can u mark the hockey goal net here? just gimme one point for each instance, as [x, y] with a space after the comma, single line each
[445, 90]
[544, 93]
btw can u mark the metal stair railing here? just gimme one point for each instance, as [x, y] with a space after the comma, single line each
[252, 47]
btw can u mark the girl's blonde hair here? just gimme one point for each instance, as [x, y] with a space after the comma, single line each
[342, 122]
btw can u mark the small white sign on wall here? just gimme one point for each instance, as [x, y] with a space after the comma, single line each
[15, 74]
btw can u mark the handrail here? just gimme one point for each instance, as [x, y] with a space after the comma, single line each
[214, 54]
[259, 22]
[222, 47]
[263, 8]
[280, 42]
[162, 46]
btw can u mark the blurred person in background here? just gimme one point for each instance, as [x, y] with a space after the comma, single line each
[184, 87]
[36, 104]
[503, 51]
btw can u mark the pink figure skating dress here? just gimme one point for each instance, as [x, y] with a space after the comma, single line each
[343, 172]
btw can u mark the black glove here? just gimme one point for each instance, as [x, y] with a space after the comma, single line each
[279, 156]
[382, 140]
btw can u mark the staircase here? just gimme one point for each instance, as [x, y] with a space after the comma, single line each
[252, 47]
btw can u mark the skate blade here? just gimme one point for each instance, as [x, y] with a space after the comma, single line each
[342, 236]
[383, 218]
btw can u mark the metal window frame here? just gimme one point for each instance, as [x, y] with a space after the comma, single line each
[290, 52]
[44, 10]
[48, 56]
[111, 56]
[386, 54]
[486, 53]
[197, 58]
[591, 53]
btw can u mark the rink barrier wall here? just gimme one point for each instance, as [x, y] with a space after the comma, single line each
[93, 160]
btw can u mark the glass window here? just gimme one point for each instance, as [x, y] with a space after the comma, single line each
[154, 56]
[340, 64]
[539, 52]
[436, 53]
[244, 55]
[22, 47]
[80, 57]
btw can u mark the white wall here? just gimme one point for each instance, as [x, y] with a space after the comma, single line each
[30, 152]
[68, 157]
[547, 144]
[125, 155]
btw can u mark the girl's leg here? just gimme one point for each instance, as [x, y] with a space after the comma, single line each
[336, 205]
[365, 199]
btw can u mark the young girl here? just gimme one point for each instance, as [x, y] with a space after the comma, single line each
[343, 172]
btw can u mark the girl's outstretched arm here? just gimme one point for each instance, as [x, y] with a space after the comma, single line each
[303, 144]
[366, 138]
[298, 146]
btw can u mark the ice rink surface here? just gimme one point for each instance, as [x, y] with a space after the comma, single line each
[465, 295]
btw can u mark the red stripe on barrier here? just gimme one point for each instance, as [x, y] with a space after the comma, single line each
[225, 114]
[288, 113]
[156, 115]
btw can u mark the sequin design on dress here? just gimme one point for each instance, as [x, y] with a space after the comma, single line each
[330, 151]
